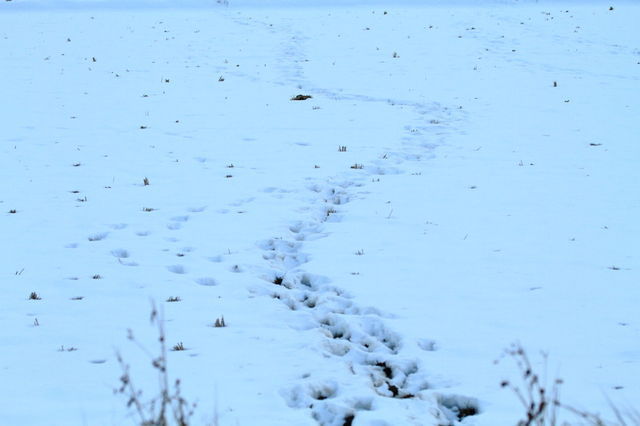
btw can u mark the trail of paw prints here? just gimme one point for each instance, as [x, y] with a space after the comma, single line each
[177, 222]
[355, 336]
[109, 237]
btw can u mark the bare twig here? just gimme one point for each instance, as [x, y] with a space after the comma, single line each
[168, 406]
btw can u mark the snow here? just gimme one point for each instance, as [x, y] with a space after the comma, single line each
[475, 204]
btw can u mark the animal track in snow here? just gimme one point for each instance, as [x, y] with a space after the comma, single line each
[120, 253]
[356, 337]
[177, 269]
[457, 407]
[98, 236]
[206, 281]
[196, 209]
[427, 345]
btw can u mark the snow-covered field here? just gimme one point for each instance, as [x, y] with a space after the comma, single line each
[464, 176]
